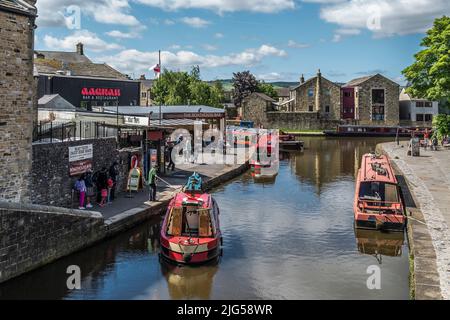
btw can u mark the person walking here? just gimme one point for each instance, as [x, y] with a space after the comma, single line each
[80, 186]
[171, 163]
[110, 184]
[88, 180]
[152, 177]
[113, 174]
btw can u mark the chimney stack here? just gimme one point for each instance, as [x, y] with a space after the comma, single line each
[319, 92]
[142, 77]
[80, 48]
[302, 79]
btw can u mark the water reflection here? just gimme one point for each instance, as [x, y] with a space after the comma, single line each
[379, 244]
[186, 283]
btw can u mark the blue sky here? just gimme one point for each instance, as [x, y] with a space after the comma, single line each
[275, 39]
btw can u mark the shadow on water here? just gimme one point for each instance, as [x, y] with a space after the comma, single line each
[291, 237]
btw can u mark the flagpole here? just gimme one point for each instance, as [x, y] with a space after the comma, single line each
[159, 76]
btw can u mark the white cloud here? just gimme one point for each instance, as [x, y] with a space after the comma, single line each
[195, 22]
[293, 44]
[90, 40]
[218, 35]
[384, 17]
[265, 6]
[135, 61]
[169, 22]
[209, 47]
[341, 33]
[53, 12]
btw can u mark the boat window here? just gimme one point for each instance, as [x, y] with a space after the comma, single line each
[204, 221]
[174, 227]
[379, 191]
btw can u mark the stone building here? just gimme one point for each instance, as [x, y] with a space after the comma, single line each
[375, 99]
[255, 108]
[317, 94]
[17, 97]
[146, 92]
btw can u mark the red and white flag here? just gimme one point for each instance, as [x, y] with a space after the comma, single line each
[156, 69]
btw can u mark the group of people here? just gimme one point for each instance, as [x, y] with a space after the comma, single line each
[99, 186]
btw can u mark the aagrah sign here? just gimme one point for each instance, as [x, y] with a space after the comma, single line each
[100, 93]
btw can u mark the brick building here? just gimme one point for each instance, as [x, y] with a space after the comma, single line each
[17, 98]
[372, 100]
[317, 94]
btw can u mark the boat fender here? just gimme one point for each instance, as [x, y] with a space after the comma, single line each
[187, 257]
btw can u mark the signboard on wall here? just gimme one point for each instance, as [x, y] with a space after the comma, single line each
[83, 152]
[153, 157]
[136, 121]
[77, 168]
[80, 159]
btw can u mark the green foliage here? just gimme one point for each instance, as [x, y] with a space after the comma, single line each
[244, 84]
[429, 75]
[441, 126]
[267, 89]
[182, 88]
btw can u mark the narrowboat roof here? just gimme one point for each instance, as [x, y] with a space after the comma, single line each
[377, 169]
[203, 198]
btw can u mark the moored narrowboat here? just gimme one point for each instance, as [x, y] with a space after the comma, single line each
[378, 202]
[190, 233]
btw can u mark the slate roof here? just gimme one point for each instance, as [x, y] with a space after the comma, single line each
[358, 81]
[18, 6]
[136, 111]
[264, 96]
[283, 92]
[50, 62]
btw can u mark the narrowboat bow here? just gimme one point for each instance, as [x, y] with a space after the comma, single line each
[190, 233]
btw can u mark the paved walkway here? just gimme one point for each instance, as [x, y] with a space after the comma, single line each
[177, 179]
[428, 177]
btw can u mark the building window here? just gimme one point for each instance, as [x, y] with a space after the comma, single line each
[144, 94]
[428, 117]
[419, 104]
[327, 109]
[311, 109]
[347, 94]
[419, 117]
[378, 113]
[311, 92]
[428, 104]
[378, 96]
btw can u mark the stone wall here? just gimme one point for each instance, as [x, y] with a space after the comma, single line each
[16, 105]
[299, 121]
[364, 101]
[51, 184]
[255, 109]
[32, 236]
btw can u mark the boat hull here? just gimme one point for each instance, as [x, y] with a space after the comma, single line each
[179, 254]
[386, 222]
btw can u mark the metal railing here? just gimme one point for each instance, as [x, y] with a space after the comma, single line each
[57, 131]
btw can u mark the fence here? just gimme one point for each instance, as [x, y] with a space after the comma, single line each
[56, 131]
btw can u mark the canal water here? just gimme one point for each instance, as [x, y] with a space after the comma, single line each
[287, 238]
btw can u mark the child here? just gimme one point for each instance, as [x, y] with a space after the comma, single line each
[104, 194]
[110, 183]
[80, 186]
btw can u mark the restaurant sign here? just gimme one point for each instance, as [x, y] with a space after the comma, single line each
[80, 159]
[100, 93]
[194, 115]
[136, 121]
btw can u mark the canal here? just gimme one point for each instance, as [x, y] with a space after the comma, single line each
[287, 238]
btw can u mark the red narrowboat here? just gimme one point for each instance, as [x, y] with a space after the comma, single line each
[190, 233]
[378, 203]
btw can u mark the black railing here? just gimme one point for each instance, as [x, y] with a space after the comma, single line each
[57, 131]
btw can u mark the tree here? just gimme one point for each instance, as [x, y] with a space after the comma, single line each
[267, 89]
[182, 88]
[244, 84]
[429, 75]
[441, 126]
